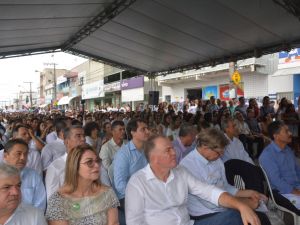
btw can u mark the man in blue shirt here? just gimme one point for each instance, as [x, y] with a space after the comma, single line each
[129, 159]
[32, 188]
[280, 163]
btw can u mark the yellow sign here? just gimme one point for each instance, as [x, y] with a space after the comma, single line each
[236, 77]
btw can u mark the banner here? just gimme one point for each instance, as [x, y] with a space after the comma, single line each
[131, 83]
[209, 91]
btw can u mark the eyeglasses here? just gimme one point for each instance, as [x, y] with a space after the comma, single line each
[91, 162]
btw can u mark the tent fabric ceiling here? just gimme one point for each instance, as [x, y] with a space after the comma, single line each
[150, 35]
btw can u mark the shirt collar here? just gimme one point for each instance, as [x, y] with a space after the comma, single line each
[150, 175]
[276, 147]
[200, 157]
[182, 147]
[131, 146]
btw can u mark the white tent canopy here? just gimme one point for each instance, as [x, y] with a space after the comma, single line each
[150, 35]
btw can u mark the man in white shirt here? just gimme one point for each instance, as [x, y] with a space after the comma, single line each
[157, 194]
[235, 149]
[54, 149]
[12, 211]
[73, 136]
[109, 149]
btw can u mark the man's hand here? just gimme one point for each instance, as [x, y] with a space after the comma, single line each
[248, 215]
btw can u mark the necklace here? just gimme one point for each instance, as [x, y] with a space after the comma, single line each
[76, 206]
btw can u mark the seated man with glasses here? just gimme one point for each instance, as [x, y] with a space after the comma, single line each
[204, 163]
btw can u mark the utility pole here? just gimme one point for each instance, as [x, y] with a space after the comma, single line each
[54, 76]
[30, 91]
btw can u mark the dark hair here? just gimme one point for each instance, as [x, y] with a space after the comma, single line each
[89, 127]
[274, 128]
[16, 129]
[67, 131]
[11, 143]
[60, 125]
[150, 145]
[132, 126]
[117, 123]
[76, 122]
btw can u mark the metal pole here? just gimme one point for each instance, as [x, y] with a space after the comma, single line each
[54, 77]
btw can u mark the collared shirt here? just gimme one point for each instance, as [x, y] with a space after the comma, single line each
[55, 175]
[33, 189]
[150, 201]
[235, 150]
[108, 151]
[51, 137]
[52, 151]
[33, 160]
[26, 215]
[127, 161]
[281, 167]
[209, 172]
[181, 150]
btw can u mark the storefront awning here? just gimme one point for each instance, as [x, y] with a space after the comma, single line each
[287, 71]
[63, 101]
[71, 98]
[43, 105]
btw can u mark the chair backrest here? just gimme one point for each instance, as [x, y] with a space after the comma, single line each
[250, 174]
[296, 218]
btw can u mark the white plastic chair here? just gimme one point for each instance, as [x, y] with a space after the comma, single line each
[296, 218]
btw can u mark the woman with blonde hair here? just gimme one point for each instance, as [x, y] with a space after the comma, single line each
[83, 199]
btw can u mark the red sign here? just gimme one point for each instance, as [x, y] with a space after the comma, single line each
[224, 92]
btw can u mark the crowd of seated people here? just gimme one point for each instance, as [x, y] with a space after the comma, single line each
[153, 166]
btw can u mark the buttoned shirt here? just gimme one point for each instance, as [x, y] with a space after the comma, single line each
[209, 172]
[150, 201]
[55, 175]
[282, 168]
[33, 189]
[108, 151]
[127, 161]
[26, 215]
[235, 150]
[33, 160]
[181, 150]
[52, 151]
[51, 137]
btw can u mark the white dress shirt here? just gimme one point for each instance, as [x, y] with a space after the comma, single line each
[235, 150]
[210, 172]
[55, 175]
[108, 150]
[52, 151]
[33, 160]
[26, 215]
[150, 201]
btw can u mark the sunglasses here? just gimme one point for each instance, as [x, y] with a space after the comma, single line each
[91, 162]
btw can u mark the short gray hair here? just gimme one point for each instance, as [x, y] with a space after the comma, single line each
[186, 129]
[8, 170]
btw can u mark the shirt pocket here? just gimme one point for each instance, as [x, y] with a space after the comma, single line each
[27, 195]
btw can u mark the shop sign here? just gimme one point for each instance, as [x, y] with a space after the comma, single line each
[131, 95]
[116, 86]
[236, 77]
[289, 59]
[131, 83]
[93, 90]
